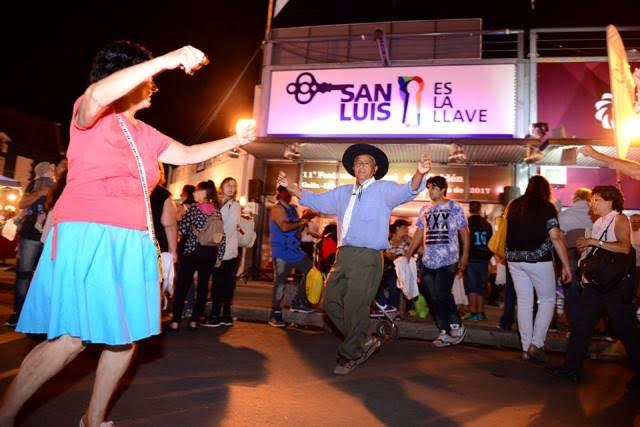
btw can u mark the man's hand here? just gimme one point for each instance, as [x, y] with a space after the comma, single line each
[309, 214]
[293, 188]
[424, 166]
[282, 180]
[462, 266]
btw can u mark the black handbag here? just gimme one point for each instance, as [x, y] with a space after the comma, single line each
[604, 270]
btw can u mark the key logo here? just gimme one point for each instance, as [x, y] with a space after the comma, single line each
[305, 88]
[403, 83]
[366, 101]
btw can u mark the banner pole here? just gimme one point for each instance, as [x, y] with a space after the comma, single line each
[267, 33]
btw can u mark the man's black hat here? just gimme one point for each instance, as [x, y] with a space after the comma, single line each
[355, 150]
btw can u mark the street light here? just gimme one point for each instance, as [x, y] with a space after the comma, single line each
[243, 125]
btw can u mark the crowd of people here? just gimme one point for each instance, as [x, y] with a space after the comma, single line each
[543, 249]
[97, 232]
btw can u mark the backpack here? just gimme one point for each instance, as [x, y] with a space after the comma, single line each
[212, 234]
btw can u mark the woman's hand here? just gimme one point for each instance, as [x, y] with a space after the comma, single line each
[565, 274]
[188, 58]
[583, 243]
[587, 151]
[246, 131]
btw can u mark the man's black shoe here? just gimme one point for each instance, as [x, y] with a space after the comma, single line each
[564, 373]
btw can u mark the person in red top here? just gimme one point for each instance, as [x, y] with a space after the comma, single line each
[97, 280]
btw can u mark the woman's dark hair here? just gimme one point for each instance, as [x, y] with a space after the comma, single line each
[211, 192]
[332, 227]
[227, 179]
[116, 56]
[393, 228]
[189, 189]
[538, 188]
[610, 194]
[536, 198]
[54, 193]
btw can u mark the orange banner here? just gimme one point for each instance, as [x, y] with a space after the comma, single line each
[626, 124]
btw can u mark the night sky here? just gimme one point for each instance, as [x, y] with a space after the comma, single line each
[45, 77]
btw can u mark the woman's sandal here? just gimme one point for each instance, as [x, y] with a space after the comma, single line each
[173, 327]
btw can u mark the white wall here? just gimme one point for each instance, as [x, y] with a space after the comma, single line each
[23, 170]
[215, 169]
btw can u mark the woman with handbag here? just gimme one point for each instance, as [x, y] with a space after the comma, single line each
[224, 276]
[197, 256]
[532, 234]
[610, 235]
[97, 280]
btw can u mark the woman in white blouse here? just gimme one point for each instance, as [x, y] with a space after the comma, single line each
[611, 232]
[224, 277]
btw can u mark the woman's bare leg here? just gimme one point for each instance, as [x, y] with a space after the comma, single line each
[114, 362]
[43, 362]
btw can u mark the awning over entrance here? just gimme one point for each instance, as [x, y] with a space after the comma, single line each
[8, 182]
[484, 151]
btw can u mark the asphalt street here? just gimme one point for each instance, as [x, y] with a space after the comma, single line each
[254, 374]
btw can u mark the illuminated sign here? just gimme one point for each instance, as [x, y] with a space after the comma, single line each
[474, 100]
[455, 176]
[319, 177]
[485, 183]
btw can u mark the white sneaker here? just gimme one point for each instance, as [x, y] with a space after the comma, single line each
[387, 308]
[103, 424]
[381, 306]
[443, 340]
[458, 332]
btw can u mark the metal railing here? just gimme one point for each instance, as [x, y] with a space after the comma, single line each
[580, 42]
[402, 47]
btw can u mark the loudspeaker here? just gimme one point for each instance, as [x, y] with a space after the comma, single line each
[256, 188]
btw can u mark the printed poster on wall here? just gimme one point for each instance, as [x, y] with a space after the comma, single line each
[575, 99]
[461, 100]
